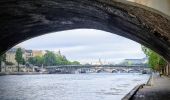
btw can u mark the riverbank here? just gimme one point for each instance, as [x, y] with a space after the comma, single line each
[132, 93]
[22, 73]
[159, 89]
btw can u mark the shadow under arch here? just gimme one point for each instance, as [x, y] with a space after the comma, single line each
[23, 19]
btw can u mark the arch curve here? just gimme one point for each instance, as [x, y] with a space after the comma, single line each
[114, 71]
[24, 19]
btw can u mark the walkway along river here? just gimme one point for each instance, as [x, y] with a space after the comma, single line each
[101, 86]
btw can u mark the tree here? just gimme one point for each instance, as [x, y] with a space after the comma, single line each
[31, 60]
[2, 59]
[38, 60]
[129, 63]
[49, 59]
[18, 57]
[23, 61]
[61, 60]
[75, 63]
[155, 61]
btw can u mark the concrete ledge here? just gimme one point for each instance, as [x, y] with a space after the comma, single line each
[22, 73]
[149, 82]
[130, 95]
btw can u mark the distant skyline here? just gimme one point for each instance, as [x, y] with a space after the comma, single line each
[87, 45]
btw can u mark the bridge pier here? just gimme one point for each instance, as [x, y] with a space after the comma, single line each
[167, 69]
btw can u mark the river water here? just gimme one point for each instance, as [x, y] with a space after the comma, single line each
[100, 86]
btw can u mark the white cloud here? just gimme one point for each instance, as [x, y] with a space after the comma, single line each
[87, 45]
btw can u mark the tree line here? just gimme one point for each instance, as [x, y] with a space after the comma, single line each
[155, 61]
[48, 59]
[51, 59]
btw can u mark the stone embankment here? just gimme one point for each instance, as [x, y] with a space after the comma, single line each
[22, 73]
[132, 93]
[157, 88]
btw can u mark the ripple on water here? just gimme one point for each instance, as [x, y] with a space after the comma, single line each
[109, 93]
[68, 87]
[123, 85]
[136, 80]
[116, 89]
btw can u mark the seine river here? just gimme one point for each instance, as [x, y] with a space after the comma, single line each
[68, 86]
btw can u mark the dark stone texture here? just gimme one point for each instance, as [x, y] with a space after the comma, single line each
[23, 19]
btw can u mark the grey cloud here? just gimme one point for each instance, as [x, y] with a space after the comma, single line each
[73, 38]
[87, 44]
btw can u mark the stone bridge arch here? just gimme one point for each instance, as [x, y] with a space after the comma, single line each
[114, 71]
[100, 70]
[103, 70]
[23, 19]
[134, 70]
[122, 70]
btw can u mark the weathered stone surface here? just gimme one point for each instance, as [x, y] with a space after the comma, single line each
[24, 19]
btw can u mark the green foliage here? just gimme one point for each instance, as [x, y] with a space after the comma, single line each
[162, 62]
[146, 50]
[129, 63]
[9, 63]
[23, 61]
[18, 56]
[51, 59]
[61, 60]
[38, 61]
[155, 61]
[75, 63]
[31, 60]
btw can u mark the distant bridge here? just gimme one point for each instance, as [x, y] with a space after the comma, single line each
[96, 69]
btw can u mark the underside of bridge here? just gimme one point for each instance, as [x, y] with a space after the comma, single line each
[23, 19]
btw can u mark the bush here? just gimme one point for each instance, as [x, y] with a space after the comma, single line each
[9, 63]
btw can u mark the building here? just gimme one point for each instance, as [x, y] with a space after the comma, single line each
[28, 54]
[38, 53]
[135, 62]
[10, 55]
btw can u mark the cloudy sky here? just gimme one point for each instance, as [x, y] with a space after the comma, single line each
[87, 46]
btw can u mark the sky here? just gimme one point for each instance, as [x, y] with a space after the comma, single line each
[87, 46]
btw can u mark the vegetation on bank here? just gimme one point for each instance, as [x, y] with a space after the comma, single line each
[51, 59]
[48, 59]
[155, 61]
[19, 57]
